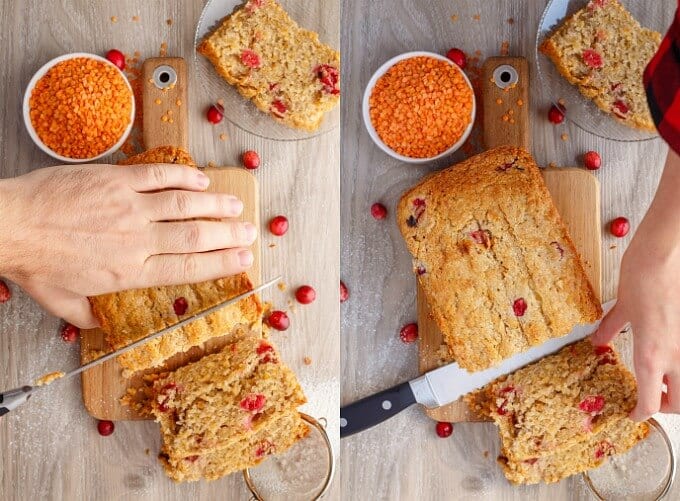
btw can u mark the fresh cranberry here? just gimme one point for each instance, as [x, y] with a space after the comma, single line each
[620, 109]
[378, 211]
[279, 108]
[329, 77]
[117, 58]
[592, 59]
[250, 58]
[458, 57]
[344, 292]
[409, 333]
[558, 248]
[592, 404]
[556, 114]
[278, 320]
[70, 333]
[519, 307]
[265, 447]
[619, 227]
[215, 113]
[180, 306]
[254, 402]
[305, 294]
[444, 429]
[105, 428]
[421, 270]
[251, 160]
[603, 448]
[592, 160]
[603, 350]
[5, 293]
[278, 225]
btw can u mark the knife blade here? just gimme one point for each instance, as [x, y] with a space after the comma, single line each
[447, 384]
[11, 399]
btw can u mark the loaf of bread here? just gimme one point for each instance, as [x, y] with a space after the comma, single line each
[285, 70]
[603, 50]
[130, 315]
[563, 414]
[227, 411]
[499, 271]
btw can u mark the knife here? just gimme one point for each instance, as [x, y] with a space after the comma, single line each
[11, 399]
[447, 384]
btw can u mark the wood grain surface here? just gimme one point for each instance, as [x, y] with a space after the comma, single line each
[104, 384]
[50, 448]
[575, 192]
[403, 459]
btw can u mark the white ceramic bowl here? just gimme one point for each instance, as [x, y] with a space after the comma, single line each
[367, 117]
[27, 117]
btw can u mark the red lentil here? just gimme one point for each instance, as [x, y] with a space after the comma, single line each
[421, 106]
[80, 108]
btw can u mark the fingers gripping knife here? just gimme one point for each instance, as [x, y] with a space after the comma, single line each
[11, 399]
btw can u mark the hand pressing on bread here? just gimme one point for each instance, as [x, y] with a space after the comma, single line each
[68, 232]
[649, 299]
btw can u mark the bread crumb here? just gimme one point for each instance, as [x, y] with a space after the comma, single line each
[114, 19]
[169, 112]
[147, 451]
[211, 164]
[561, 102]
[178, 102]
[157, 101]
[454, 17]
[505, 48]
[223, 137]
[168, 22]
[282, 287]
[137, 54]
[520, 102]
[307, 360]
[478, 53]
[135, 18]
[486, 454]
[271, 246]
[612, 246]
[499, 101]
[564, 136]
[48, 378]
[505, 118]
[552, 165]
[220, 102]
[512, 120]
[164, 118]
[511, 20]
[511, 112]
[150, 80]
[476, 17]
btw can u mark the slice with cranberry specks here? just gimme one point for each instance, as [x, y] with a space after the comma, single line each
[563, 414]
[603, 50]
[227, 411]
[283, 69]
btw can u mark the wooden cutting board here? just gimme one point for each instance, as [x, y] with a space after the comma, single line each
[104, 385]
[575, 191]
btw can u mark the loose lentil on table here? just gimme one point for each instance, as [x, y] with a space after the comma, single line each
[80, 108]
[421, 106]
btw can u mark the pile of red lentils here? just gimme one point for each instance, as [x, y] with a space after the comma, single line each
[421, 106]
[81, 107]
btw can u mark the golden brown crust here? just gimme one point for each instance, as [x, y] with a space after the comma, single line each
[130, 315]
[563, 414]
[609, 31]
[288, 60]
[485, 235]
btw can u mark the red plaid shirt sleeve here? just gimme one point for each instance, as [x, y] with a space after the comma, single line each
[662, 84]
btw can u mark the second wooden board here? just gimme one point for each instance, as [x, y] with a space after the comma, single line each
[104, 385]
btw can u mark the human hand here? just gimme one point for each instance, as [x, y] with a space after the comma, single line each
[68, 232]
[649, 300]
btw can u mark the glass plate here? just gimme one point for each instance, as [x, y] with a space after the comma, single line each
[580, 110]
[240, 111]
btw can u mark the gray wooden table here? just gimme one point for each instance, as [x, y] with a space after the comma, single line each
[50, 448]
[404, 458]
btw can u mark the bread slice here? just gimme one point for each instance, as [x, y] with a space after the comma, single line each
[130, 315]
[498, 268]
[603, 50]
[563, 414]
[227, 411]
[285, 70]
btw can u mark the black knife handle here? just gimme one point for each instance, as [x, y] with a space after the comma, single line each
[375, 409]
